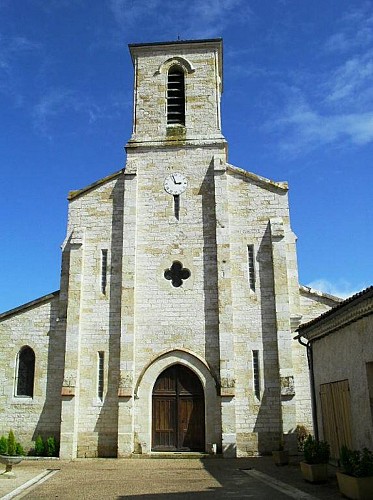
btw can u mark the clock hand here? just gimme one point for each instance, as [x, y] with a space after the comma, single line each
[175, 181]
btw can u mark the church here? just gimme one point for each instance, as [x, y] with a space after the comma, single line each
[173, 329]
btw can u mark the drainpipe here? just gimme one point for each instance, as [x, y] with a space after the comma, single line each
[308, 346]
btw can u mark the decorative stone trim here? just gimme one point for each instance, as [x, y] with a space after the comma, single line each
[177, 60]
[227, 387]
[68, 387]
[125, 385]
[287, 386]
[262, 181]
[277, 228]
[68, 391]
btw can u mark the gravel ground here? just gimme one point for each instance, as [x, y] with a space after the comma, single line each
[210, 478]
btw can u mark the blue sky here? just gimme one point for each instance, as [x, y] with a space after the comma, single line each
[297, 106]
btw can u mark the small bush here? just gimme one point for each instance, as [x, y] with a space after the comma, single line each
[39, 446]
[51, 447]
[3, 445]
[11, 443]
[19, 449]
[357, 463]
[316, 452]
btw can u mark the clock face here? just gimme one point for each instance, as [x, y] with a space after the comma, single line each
[175, 183]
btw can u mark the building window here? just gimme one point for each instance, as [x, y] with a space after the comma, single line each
[177, 206]
[25, 372]
[176, 96]
[256, 372]
[251, 267]
[100, 375]
[103, 271]
[177, 274]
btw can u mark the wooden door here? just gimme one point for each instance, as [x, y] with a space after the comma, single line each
[336, 415]
[178, 411]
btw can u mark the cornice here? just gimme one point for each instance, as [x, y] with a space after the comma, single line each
[257, 179]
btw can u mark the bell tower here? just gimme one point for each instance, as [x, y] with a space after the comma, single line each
[175, 152]
[177, 92]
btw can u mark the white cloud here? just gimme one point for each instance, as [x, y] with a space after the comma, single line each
[57, 104]
[303, 127]
[11, 51]
[195, 18]
[352, 80]
[332, 106]
[356, 30]
[341, 288]
[51, 104]
[12, 47]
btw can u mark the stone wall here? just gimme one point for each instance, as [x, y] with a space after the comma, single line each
[34, 326]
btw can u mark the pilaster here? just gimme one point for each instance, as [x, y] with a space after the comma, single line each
[227, 372]
[127, 343]
[283, 323]
[72, 278]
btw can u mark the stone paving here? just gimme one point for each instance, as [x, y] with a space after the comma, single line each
[210, 478]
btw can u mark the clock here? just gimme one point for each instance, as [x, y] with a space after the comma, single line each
[175, 183]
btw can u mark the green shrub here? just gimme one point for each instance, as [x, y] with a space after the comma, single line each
[11, 443]
[51, 447]
[39, 446]
[3, 445]
[357, 463]
[19, 449]
[316, 452]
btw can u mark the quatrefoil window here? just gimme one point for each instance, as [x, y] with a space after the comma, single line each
[177, 274]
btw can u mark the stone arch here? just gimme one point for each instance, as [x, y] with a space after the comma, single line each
[177, 61]
[144, 390]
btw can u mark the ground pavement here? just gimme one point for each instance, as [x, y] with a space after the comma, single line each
[163, 478]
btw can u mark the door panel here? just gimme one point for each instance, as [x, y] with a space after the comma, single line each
[191, 432]
[164, 428]
[178, 411]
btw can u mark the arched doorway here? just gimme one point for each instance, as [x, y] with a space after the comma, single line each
[178, 411]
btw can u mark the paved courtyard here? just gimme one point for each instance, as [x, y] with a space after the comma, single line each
[211, 478]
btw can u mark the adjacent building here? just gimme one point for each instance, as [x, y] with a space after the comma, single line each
[341, 361]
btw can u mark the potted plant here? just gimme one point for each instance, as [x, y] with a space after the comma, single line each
[316, 457]
[356, 480]
[280, 456]
[10, 454]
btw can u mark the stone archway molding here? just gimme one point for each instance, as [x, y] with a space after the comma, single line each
[183, 354]
[180, 61]
[144, 390]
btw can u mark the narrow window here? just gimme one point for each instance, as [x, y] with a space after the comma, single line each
[250, 265]
[100, 377]
[175, 96]
[256, 374]
[103, 271]
[25, 372]
[177, 206]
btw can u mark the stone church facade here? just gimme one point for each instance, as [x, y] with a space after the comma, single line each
[173, 326]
